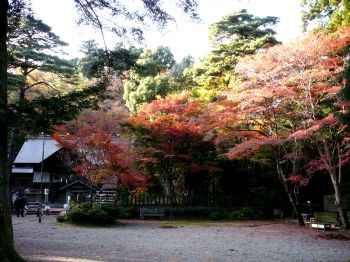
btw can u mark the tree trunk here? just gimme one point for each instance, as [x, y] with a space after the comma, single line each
[13, 143]
[292, 199]
[7, 250]
[336, 177]
[338, 201]
[91, 191]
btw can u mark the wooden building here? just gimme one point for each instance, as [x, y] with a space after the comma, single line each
[39, 166]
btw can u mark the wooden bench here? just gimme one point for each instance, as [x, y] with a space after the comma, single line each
[324, 221]
[31, 207]
[151, 212]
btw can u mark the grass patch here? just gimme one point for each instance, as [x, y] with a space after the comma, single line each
[167, 225]
[190, 222]
[208, 223]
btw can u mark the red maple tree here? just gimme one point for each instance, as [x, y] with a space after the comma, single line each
[170, 130]
[284, 95]
[101, 159]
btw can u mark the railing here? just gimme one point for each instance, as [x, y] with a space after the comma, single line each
[33, 195]
[152, 199]
[34, 191]
[162, 200]
[105, 198]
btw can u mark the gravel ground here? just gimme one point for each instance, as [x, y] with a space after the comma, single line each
[146, 241]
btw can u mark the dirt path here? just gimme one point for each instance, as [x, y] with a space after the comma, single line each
[147, 241]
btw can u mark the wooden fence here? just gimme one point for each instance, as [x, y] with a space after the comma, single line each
[128, 199]
[162, 200]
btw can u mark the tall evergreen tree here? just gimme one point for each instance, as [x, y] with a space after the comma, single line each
[179, 68]
[97, 63]
[328, 14]
[149, 78]
[31, 52]
[234, 35]
[7, 250]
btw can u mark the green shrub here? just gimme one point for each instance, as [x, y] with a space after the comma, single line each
[110, 210]
[95, 215]
[217, 214]
[77, 213]
[116, 211]
[61, 218]
[98, 216]
[124, 212]
[245, 213]
[84, 214]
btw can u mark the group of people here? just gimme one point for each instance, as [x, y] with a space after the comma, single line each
[21, 208]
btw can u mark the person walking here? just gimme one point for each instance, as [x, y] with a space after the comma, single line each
[39, 212]
[20, 203]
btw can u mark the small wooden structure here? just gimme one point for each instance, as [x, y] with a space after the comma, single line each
[78, 191]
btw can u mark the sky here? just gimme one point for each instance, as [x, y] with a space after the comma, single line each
[184, 37]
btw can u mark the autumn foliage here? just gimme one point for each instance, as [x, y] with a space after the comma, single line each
[170, 128]
[283, 106]
[284, 93]
[100, 158]
[283, 96]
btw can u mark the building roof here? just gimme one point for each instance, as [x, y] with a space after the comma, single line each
[22, 170]
[76, 184]
[37, 149]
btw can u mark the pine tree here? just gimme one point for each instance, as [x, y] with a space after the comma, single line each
[235, 35]
[32, 48]
[328, 15]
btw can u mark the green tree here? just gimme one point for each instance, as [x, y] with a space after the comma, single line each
[98, 63]
[328, 14]
[181, 78]
[31, 50]
[234, 35]
[7, 250]
[149, 73]
[153, 63]
[110, 66]
[179, 69]
[150, 77]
